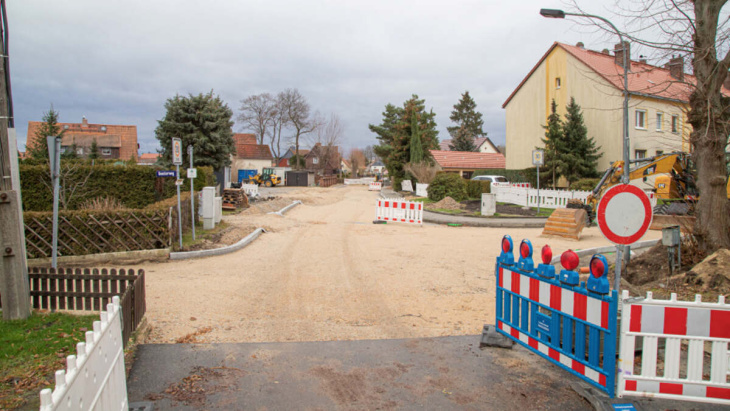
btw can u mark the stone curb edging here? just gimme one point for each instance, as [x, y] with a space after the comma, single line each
[609, 248]
[287, 208]
[184, 255]
[428, 216]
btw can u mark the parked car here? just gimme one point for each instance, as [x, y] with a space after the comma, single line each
[493, 179]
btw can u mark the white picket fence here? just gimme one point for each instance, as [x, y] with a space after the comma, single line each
[682, 330]
[421, 190]
[359, 181]
[401, 211]
[94, 378]
[251, 190]
[527, 197]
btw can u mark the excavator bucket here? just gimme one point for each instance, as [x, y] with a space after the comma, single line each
[566, 223]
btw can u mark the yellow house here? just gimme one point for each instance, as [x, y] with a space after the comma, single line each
[658, 103]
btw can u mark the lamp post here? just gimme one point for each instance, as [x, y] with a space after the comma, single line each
[560, 14]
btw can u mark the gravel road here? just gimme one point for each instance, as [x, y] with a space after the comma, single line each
[324, 272]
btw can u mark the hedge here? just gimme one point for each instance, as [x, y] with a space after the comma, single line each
[447, 185]
[528, 175]
[475, 188]
[585, 184]
[135, 186]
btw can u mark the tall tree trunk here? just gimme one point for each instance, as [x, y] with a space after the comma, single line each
[710, 119]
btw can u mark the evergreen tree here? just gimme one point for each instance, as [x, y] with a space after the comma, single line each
[416, 146]
[581, 156]
[468, 124]
[94, 150]
[71, 152]
[38, 148]
[203, 121]
[554, 146]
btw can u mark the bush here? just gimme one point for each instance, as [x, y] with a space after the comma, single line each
[585, 184]
[447, 185]
[134, 186]
[475, 189]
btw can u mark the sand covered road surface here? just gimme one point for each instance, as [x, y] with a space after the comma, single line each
[325, 272]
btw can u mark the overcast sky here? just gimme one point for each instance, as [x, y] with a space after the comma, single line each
[116, 62]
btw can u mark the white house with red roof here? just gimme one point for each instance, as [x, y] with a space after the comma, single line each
[659, 98]
[483, 145]
[465, 163]
[249, 155]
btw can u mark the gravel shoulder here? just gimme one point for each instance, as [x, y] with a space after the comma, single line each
[324, 272]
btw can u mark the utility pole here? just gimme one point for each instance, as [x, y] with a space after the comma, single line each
[14, 286]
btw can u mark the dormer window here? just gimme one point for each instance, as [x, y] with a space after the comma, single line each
[315, 160]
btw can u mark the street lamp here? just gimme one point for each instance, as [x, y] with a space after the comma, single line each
[560, 14]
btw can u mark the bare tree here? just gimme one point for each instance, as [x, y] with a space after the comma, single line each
[257, 114]
[700, 30]
[424, 172]
[279, 122]
[73, 177]
[299, 116]
[357, 161]
[328, 138]
[369, 155]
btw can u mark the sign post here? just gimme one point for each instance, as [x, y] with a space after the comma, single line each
[538, 159]
[54, 157]
[192, 174]
[624, 215]
[177, 160]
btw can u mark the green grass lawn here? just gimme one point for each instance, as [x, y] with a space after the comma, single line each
[424, 200]
[201, 234]
[32, 350]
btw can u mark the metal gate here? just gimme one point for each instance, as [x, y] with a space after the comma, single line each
[570, 323]
[297, 178]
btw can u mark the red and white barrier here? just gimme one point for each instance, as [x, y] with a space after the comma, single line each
[375, 186]
[684, 327]
[400, 211]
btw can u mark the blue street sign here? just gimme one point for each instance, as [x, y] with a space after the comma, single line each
[165, 173]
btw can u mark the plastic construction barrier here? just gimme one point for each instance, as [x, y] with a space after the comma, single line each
[375, 186]
[399, 211]
[569, 323]
[675, 338]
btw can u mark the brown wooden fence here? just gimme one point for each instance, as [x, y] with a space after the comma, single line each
[90, 290]
[327, 181]
[82, 233]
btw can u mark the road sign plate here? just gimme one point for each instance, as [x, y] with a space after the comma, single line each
[192, 173]
[624, 214]
[179, 182]
[165, 173]
[538, 157]
[176, 151]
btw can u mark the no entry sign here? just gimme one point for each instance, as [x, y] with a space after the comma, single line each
[624, 214]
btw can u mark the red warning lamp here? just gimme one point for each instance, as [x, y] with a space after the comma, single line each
[525, 250]
[506, 244]
[597, 267]
[547, 254]
[569, 260]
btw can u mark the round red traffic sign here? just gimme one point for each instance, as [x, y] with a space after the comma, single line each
[624, 214]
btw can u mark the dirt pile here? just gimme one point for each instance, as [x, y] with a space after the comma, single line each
[447, 203]
[713, 273]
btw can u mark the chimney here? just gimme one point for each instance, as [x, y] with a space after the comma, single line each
[580, 45]
[84, 122]
[618, 53]
[676, 67]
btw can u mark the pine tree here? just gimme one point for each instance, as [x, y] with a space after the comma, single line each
[581, 156]
[94, 150]
[38, 149]
[203, 121]
[468, 124]
[554, 146]
[71, 152]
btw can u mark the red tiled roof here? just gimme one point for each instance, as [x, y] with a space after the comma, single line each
[644, 79]
[107, 135]
[254, 151]
[468, 160]
[244, 138]
[149, 156]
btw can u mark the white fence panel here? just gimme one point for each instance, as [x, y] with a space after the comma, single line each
[674, 335]
[94, 378]
[251, 190]
[401, 211]
[421, 190]
[359, 181]
[375, 186]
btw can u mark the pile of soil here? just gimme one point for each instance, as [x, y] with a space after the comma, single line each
[447, 203]
[475, 206]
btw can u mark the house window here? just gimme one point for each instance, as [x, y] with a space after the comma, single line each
[557, 82]
[80, 151]
[675, 124]
[659, 152]
[639, 154]
[315, 160]
[659, 118]
[106, 151]
[64, 149]
[641, 119]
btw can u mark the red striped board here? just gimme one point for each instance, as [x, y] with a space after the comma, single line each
[375, 186]
[399, 211]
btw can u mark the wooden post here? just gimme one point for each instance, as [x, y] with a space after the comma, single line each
[14, 287]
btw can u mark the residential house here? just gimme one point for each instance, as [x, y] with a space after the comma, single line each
[483, 144]
[465, 163]
[658, 103]
[148, 159]
[249, 155]
[377, 167]
[113, 141]
[284, 161]
[346, 166]
[323, 160]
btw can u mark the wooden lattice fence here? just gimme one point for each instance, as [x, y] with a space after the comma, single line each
[85, 232]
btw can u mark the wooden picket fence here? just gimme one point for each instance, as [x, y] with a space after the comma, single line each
[82, 233]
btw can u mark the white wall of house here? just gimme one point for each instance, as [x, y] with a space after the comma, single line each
[248, 164]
